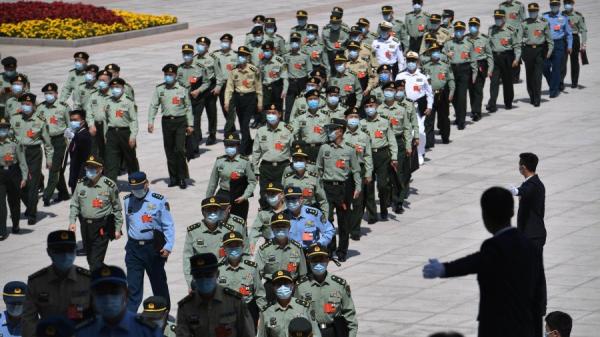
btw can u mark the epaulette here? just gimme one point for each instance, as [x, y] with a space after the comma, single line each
[576, 12]
[85, 323]
[338, 280]
[129, 98]
[228, 226]
[289, 174]
[223, 262]
[194, 226]
[350, 71]
[384, 117]
[158, 196]
[510, 28]
[172, 327]
[302, 279]
[64, 104]
[345, 29]
[38, 273]
[265, 245]
[266, 306]
[244, 157]
[542, 19]
[302, 302]
[251, 263]
[396, 39]
[213, 53]
[289, 127]
[484, 35]
[295, 243]
[185, 299]
[311, 210]
[73, 70]
[145, 323]
[300, 113]
[311, 173]
[222, 157]
[83, 271]
[160, 85]
[252, 67]
[108, 182]
[232, 292]
[41, 117]
[279, 59]
[279, 36]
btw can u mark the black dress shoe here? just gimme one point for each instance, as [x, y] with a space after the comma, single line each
[16, 229]
[536, 104]
[399, 209]
[574, 86]
[508, 107]
[562, 87]
[383, 215]
[46, 202]
[31, 220]
[172, 183]
[182, 184]
[4, 237]
[371, 221]
[341, 256]
[211, 141]
[491, 109]
[461, 127]
[355, 237]
[61, 198]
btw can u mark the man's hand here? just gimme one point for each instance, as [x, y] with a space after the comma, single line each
[259, 108]
[189, 130]
[582, 48]
[73, 227]
[118, 235]
[450, 54]
[195, 93]
[515, 63]
[283, 94]
[356, 194]
[216, 92]
[416, 142]
[48, 164]
[164, 253]
[132, 143]
[93, 130]
[490, 74]
[367, 180]
[150, 128]
[569, 51]
[226, 107]
[239, 200]
[23, 183]
[427, 112]
[408, 152]
[548, 55]
[451, 97]
[395, 165]
[433, 269]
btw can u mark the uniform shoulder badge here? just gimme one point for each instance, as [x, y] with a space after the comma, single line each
[228, 226]
[279, 59]
[38, 273]
[222, 157]
[251, 263]
[295, 243]
[302, 279]
[302, 302]
[160, 85]
[64, 104]
[510, 28]
[384, 117]
[252, 67]
[484, 35]
[312, 210]
[83, 271]
[245, 157]
[194, 226]
[232, 292]
[266, 306]
[158, 196]
[145, 323]
[237, 219]
[338, 280]
[108, 182]
[287, 175]
[289, 127]
[313, 174]
[265, 245]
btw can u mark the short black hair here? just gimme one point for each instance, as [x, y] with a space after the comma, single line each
[529, 160]
[560, 321]
[446, 334]
[498, 204]
[78, 112]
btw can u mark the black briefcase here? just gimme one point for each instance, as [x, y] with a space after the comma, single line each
[110, 227]
[584, 58]
[237, 187]
[414, 159]
[159, 240]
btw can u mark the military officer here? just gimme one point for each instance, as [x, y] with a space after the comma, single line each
[150, 239]
[385, 76]
[255, 44]
[177, 122]
[96, 204]
[95, 113]
[428, 40]
[212, 310]
[442, 87]
[57, 118]
[156, 311]
[115, 72]
[464, 69]
[388, 49]
[257, 21]
[506, 47]
[365, 51]
[109, 295]
[271, 150]
[300, 104]
[313, 47]
[261, 229]
[339, 168]
[299, 65]
[537, 46]
[579, 32]
[244, 87]
[448, 20]
[234, 175]
[61, 289]
[308, 225]
[205, 99]
[271, 35]
[238, 223]
[225, 61]
[368, 36]
[351, 93]
[76, 75]
[121, 128]
[334, 38]
[415, 21]
[302, 20]
[339, 12]
[309, 126]
[277, 315]
[399, 30]
[329, 296]
[435, 30]
[308, 181]
[10, 71]
[332, 108]
[275, 77]
[482, 54]
[310, 165]
[19, 87]
[13, 177]
[363, 70]
[561, 34]
[515, 14]
[84, 90]
[31, 130]
[13, 296]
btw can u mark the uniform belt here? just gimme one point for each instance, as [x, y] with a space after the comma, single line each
[534, 45]
[380, 149]
[438, 91]
[324, 326]
[141, 242]
[91, 221]
[275, 83]
[33, 145]
[172, 117]
[241, 94]
[315, 144]
[333, 182]
[275, 163]
[118, 128]
[502, 52]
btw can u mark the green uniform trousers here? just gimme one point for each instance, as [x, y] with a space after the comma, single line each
[56, 177]
[173, 129]
[10, 191]
[117, 148]
[29, 196]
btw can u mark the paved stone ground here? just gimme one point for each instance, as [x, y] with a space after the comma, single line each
[384, 270]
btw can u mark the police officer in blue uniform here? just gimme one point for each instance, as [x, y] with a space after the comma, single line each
[55, 327]
[13, 295]
[561, 33]
[109, 292]
[151, 236]
[309, 225]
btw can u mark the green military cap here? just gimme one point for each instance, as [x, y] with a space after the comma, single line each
[363, 22]
[389, 85]
[555, 2]
[272, 107]
[105, 73]
[312, 93]
[92, 67]
[187, 48]
[428, 37]
[335, 19]
[93, 161]
[448, 13]
[112, 67]
[412, 55]
[417, 2]
[231, 139]
[257, 30]
[61, 238]
[282, 275]
[210, 201]
[27, 97]
[109, 274]
[280, 218]
[222, 201]
[268, 45]
[118, 81]
[370, 100]
[14, 292]
[354, 30]
[81, 55]
[351, 111]
[293, 191]
[434, 46]
[226, 37]
[270, 21]
[258, 18]
[301, 14]
[55, 326]
[569, 1]
[353, 45]
[243, 50]
[384, 67]
[295, 36]
[311, 27]
[203, 263]
[500, 13]
[19, 78]
[474, 21]
[533, 7]
[4, 122]
[274, 187]
[459, 25]
[337, 10]
[384, 25]
[9, 61]
[314, 80]
[435, 18]
[387, 9]
[232, 237]
[300, 327]
[340, 57]
[332, 89]
[203, 39]
[154, 307]
[50, 87]
[336, 123]
[317, 250]
[299, 152]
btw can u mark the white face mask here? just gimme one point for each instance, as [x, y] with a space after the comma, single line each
[139, 193]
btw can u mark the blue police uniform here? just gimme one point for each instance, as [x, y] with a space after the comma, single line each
[311, 226]
[560, 31]
[129, 326]
[7, 330]
[143, 217]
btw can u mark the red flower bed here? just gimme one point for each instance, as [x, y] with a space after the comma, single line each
[36, 10]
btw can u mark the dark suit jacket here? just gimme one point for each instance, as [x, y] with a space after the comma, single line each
[512, 284]
[79, 150]
[532, 200]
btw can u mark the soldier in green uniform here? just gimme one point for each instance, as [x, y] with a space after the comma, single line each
[309, 126]
[211, 310]
[234, 175]
[31, 130]
[120, 130]
[205, 99]
[448, 20]
[300, 103]
[310, 164]
[96, 204]
[261, 229]
[464, 68]
[57, 118]
[274, 74]
[76, 75]
[416, 21]
[257, 21]
[309, 182]
[339, 170]
[299, 65]
[61, 289]
[84, 90]
[271, 35]
[537, 46]
[385, 153]
[367, 77]
[365, 52]
[367, 36]
[177, 122]
[238, 273]
[13, 176]
[482, 54]
[357, 138]
[334, 37]
[442, 87]
[277, 315]
[254, 45]
[244, 91]
[19, 87]
[95, 114]
[351, 93]
[515, 14]
[399, 28]
[302, 26]
[115, 72]
[225, 61]
[10, 71]
[384, 72]
[506, 46]
[237, 222]
[271, 150]
[315, 49]
[156, 312]
[435, 30]
[579, 31]
[332, 108]
[329, 296]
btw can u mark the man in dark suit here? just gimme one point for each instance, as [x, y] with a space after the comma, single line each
[509, 271]
[532, 200]
[80, 146]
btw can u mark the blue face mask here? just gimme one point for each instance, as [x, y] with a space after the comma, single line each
[295, 45]
[270, 31]
[417, 7]
[498, 22]
[89, 77]
[258, 38]
[301, 22]
[310, 87]
[319, 268]
[459, 34]
[139, 193]
[170, 79]
[231, 151]
[293, 204]
[335, 26]
[311, 37]
[242, 59]
[187, 57]
[273, 200]
[50, 98]
[333, 100]
[387, 17]
[225, 45]
[14, 309]
[332, 136]
[533, 15]
[90, 173]
[340, 68]
[75, 125]
[267, 54]
[233, 253]
[27, 109]
[355, 38]
[3, 133]
[281, 233]
[16, 88]
[384, 77]
[313, 104]
[436, 55]
[364, 30]
[353, 54]
[272, 119]
[213, 217]
[62, 261]
[389, 95]
[411, 66]
[383, 35]
[116, 92]
[102, 85]
[569, 7]
[200, 48]
[353, 122]
[370, 111]
[400, 95]
[79, 66]
[284, 292]
[554, 9]
[205, 285]
[299, 165]
[473, 29]
[109, 306]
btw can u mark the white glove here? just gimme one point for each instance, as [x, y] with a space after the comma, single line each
[69, 134]
[514, 190]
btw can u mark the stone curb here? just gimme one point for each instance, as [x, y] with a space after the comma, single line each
[96, 39]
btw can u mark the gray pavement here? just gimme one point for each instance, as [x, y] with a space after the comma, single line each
[443, 221]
